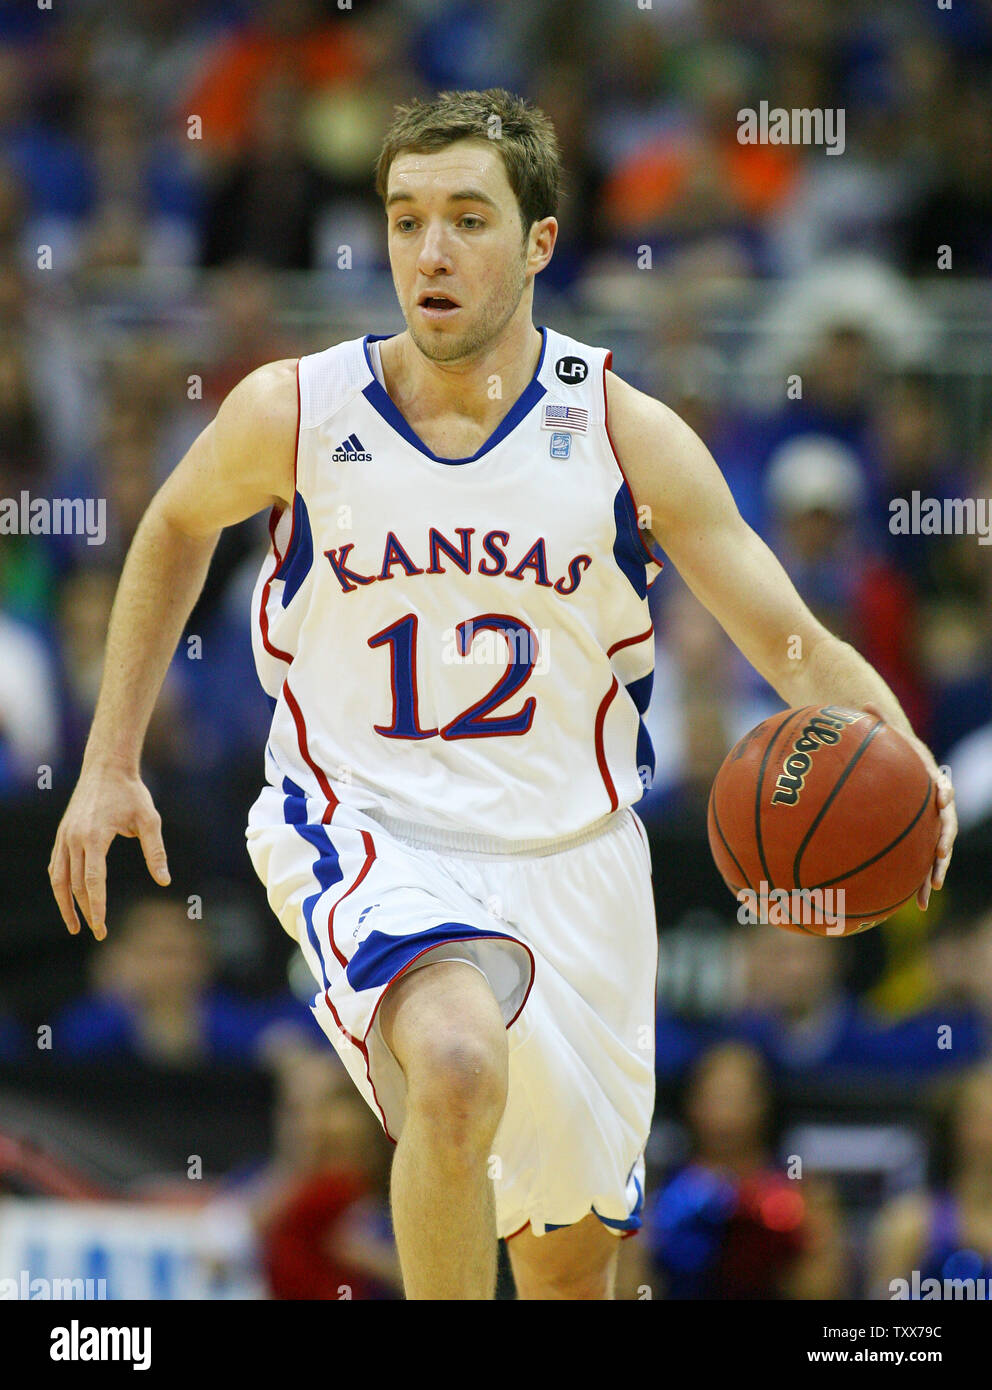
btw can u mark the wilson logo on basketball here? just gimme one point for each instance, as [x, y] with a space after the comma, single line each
[823, 728]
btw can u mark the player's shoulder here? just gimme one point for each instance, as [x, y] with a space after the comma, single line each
[255, 428]
[631, 409]
[647, 434]
[263, 408]
[269, 394]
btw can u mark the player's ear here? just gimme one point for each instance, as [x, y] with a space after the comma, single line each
[541, 242]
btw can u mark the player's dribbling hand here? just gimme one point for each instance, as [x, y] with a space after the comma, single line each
[948, 815]
[105, 803]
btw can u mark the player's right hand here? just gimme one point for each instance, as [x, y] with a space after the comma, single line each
[105, 803]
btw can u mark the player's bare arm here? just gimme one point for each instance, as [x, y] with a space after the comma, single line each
[734, 574]
[242, 463]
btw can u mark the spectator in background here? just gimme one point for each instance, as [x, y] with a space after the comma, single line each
[27, 569]
[85, 601]
[691, 184]
[112, 241]
[321, 1205]
[243, 330]
[266, 205]
[228, 711]
[628, 70]
[561, 96]
[51, 344]
[797, 1011]
[13, 1038]
[839, 387]
[952, 1028]
[145, 395]
[978, 987]
[47, 155]
[12, 205]
[957, 635]
[282, 38]
[154, 996]
[956, 661]
[971, 756]
[120, 475]
[474, 44]
[128, 473]
[911, 442]
[805, 1022]
[944, 1233]
[730, 1223]
[29, 733]
[816, 491]
[955, 211]
[92, 158]
[694, 377]
[142, 202]
[973, 783]
[854, 203]
[293, 107]
[696, 713]
[154, 47]
[822, 346]
[22, 446]
[29, 720]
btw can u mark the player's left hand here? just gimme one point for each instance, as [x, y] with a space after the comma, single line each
[948, 815]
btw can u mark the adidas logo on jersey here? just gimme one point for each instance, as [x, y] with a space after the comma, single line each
[351, 450]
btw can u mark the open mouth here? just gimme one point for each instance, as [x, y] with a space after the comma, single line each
[437, 305]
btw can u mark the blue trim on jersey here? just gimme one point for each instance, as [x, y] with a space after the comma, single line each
[645, 756]
[326, 869]
[640, 691]
[298, 560]
[628, 551]
[381, 957]
[380, 400]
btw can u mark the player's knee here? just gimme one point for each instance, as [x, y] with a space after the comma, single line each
[577, 1264]
[572, 1285]
[459, 1079]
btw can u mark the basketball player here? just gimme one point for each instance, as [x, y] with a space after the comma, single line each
[452, 626]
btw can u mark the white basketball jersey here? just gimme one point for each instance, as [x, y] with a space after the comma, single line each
[462, 644]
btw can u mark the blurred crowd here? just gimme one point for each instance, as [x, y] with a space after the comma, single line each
[234, 143]
[219, 147]
[172, 133]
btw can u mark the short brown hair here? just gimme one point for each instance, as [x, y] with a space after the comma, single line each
[523, 134]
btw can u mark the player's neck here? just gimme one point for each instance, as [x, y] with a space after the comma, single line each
[480, 388]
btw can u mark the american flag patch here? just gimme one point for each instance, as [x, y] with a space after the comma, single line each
[565, 417]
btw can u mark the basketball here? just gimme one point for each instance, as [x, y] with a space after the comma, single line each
[824, 820]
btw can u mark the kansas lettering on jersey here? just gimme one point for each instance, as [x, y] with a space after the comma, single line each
[464, 644]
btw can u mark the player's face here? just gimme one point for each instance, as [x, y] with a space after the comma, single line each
[456, 247]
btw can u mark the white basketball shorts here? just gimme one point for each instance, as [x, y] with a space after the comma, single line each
[566, 937]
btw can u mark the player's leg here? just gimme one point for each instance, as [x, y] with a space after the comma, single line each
[444, 1027]
[578, 1262]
